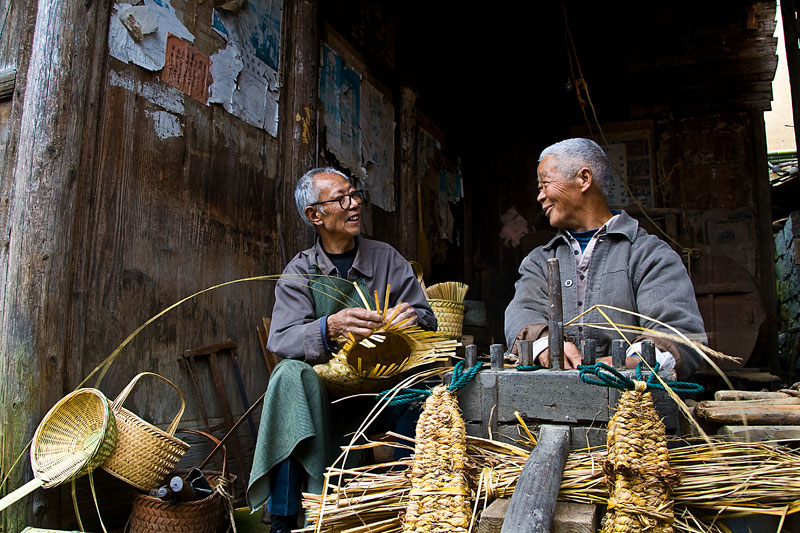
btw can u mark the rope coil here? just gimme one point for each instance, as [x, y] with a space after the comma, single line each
[610, 377]
[459, 380]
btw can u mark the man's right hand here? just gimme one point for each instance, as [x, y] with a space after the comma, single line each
[356, 320]
[572, 356]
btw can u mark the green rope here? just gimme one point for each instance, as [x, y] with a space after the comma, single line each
[459, 380]
[610, 377]
[529, 368]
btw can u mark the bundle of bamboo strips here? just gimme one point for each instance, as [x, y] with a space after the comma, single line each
[453, 291]
[720, 479]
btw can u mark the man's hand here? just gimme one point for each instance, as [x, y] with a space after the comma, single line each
[356, 320]
[572, 356]
[630, 362]
[401, 312]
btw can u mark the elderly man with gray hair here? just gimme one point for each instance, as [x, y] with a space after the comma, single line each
[300, 430]
[604, 258]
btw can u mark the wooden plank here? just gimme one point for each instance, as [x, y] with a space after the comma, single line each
[569, 517]
[574, 517]
[406, 166]
[751, 414]
[533, 503]
[728, 395]
[492, 518]
[759, 433]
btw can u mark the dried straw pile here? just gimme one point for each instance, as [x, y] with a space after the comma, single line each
[637, 467]
[439, 501]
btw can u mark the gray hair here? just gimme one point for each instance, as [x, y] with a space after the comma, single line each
[306, 194]
[572, 154]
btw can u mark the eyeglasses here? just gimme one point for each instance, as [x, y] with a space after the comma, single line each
[345, 200]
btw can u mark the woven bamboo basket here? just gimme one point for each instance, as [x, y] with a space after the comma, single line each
[209, 515]
[449, 315]
[144, 454]
[76, 436]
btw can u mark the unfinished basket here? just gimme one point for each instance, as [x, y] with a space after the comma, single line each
[209, 515]
[449, 315]
[378, 362]
[144, 454]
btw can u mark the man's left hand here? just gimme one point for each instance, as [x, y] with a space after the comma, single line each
[401, 312]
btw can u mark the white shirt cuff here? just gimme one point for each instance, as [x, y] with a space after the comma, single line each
[665, 358]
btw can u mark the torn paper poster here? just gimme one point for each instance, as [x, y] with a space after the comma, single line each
[340, 92]
[514, 227]
[163, 96]
[148, 53]
[255, 32]
[166, 124]
[377, 145]
[186, 68]
[226, 65]
[139, 21]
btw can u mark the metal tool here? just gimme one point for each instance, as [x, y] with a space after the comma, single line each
[555, 314]
[211, 353]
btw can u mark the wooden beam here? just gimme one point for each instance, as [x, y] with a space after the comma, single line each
[407, 172]
[58, 132]
[8, 79]
[533, 503]
[790, 34]
[297, 127]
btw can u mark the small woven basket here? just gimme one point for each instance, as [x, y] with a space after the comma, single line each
[76, 436]
[209, 515]
[144, 454]
[449, 315]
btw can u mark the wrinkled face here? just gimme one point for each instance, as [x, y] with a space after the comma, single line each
[559, 195]
[333, 219]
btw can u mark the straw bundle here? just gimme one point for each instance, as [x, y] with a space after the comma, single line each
[637, 467]
[721, 479]
[439, 500]
[453, 291]
[376, 363]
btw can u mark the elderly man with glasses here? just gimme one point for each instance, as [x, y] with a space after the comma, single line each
[606, 258]
[300, 430]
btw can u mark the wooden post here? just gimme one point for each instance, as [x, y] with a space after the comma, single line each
[470, 357]
[649, 352]
[555, 312]
[533, 503]
[618, 355]
[57, 136]
[496, 355]
[790, 33]
[407, 172]
[298, 135]
[589, 352]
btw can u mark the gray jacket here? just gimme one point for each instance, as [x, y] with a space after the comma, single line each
[295, 331]
[629, 269]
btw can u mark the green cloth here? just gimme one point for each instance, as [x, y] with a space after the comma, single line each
[303, 431]
[332, 294]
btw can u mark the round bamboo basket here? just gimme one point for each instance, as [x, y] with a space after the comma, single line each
[209, 515]
[144, 454]
[76, 436]
[449, 315]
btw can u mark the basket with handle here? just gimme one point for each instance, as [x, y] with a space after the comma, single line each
[75, 436]
[208, 515]
[144, 454]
